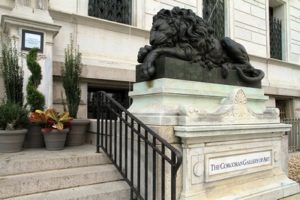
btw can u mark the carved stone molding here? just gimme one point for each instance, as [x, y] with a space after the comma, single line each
[233, 109]
[236, 107]
[197, 169]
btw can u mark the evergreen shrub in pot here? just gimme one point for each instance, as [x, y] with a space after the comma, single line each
[35, 100]
[12, 73]
[13, 119]
[70, 73]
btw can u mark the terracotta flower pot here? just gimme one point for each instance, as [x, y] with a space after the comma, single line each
[12, 140]
[77, 132]
[55, 139]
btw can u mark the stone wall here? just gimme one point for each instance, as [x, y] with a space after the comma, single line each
[143, 11]
[281, 78]
[101, 43]
[153, 6]
[296, 105]
[294, 41]
[246, 20]
[249, 25]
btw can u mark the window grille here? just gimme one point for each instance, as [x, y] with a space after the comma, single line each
[113, 10]
[213, 12]
[275, 38]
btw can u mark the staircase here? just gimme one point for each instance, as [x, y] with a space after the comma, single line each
[74, 173]
[141, 164]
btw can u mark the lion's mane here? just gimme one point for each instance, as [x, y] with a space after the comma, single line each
[191, 32]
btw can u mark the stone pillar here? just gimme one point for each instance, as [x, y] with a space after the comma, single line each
[33, 15]
[234, 147]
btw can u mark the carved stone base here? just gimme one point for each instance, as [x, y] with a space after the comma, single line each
[179, 102]
[233, 146]
[235, 162]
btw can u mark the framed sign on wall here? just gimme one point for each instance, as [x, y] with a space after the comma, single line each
[32, 39]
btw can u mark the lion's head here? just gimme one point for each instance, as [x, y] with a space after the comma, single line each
[180, 27]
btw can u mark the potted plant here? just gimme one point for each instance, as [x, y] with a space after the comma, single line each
[12, 72]
[35, 100]
[55, 127]
[70, 74]
[13, 119]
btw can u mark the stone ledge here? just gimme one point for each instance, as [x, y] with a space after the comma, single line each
[196, 134]
[231, 128]
[7, 20]
[98, 23]
[180, 102]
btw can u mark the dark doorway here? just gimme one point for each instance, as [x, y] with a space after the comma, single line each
[120, 95]
[285, 108]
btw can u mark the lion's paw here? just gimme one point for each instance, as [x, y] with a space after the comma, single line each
[143, 53]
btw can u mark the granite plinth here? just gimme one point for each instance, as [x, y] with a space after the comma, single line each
[180, 102]
[233, 162]
[234, 147]
[175, 68]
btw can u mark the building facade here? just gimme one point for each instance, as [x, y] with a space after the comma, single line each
[110, 33]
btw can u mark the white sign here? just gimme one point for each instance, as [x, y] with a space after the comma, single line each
[33, 40]
[238, 162]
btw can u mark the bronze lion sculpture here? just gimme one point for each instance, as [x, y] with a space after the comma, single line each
[180, 33]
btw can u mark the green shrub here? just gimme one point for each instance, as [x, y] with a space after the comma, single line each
[12, 116]
[12, 73]
[70, 73]
[35, 99]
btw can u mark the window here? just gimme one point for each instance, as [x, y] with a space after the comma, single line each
[213, 12]
[276, 14]
[113, 10]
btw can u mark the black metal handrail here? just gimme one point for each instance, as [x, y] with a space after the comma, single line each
[136, 150]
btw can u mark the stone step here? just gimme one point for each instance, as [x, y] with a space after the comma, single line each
[30, 183]
[35, 160]
[118, 190]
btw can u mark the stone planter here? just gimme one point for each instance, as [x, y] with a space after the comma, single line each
[12, 140]
[34, 137]
[77, 132]
[55, 139]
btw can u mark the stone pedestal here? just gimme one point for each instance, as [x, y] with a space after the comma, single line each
[179, 102]
[235, 162]
[233, 146]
